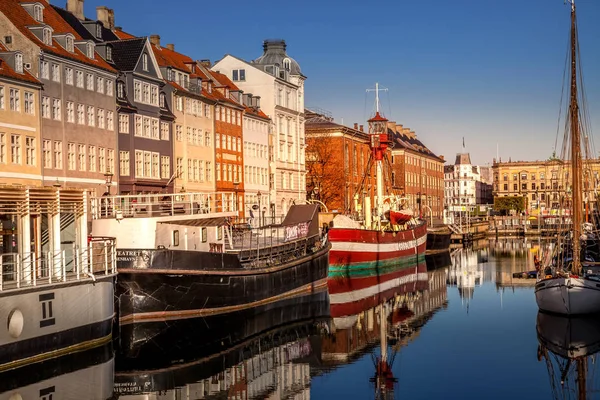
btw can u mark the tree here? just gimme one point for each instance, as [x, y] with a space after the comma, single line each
[505, 204]
[325, 172]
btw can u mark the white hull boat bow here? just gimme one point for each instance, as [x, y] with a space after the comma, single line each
[568, 295]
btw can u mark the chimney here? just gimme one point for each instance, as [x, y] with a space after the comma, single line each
[412, 134]
[362, 128]
[171, 46]
[355, 126]
[398, 127]
[205, 63]
[441, 157]
[155, 40]
[75, 7]
[106, 16]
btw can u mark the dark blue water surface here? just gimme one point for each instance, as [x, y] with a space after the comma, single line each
[462, 328]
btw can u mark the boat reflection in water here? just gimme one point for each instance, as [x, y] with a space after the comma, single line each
[80, 375]
[259, 352]
[568, 347]
[382, 316]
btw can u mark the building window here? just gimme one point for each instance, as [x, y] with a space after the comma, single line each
[101, 121]
[70, 44]
[47, 36]
[110, 164]
[146, 132]
[123, 123]
[165, 167]
[92, 158]
[138, 126]
[58, 161]
[124, 169]
[71, 157]
[147, 164]
[38, 13]
[44, 70]
[90, 82]
[154, 95]
[14, 100]
[109, 53]
[91, 116]
[146, 93]
[81, 150]
[15, 149]
[19, 63]
[155, 130]
[2, 106]
[79, 80]
[139, 164]
[164, 131]
[137, 91]
[29, 103]
[109, 87]
[100, 84]
[30, 151]
[56, 109]
[110, 124]
[90, 50]
[121, 90]
[69, 76]
[56, 72]
[2, 148]
[47, 156]
[145, 62]
[179, 133]
[102, 159]
[80, 114]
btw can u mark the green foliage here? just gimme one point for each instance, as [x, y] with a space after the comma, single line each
[505, 204]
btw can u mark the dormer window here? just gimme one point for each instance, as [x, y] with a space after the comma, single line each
[121, 90]
[286, 64]
[169, 74]
[89, 49]
[38, 13]
[163, 101]
[98, 31]
[145, 62]
[19, 63]
[47, 36]
[69, 42]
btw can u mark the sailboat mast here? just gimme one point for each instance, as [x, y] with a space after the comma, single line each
[379, 166]
[576, 164]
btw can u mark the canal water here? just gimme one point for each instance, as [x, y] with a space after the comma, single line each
[463, 327]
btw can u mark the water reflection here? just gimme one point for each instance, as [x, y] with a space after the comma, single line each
[568, 347]
[83, 375]
[265, 351]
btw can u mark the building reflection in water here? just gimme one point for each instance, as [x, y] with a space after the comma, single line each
[260, 352]
[82, 375]
[467, 272]
[381, 320]
[517, 256]
[568, 347]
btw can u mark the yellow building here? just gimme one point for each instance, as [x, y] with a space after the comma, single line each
[193, 130]
[20, 133]
[542, 183]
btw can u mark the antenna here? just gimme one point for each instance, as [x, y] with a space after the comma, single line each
[376, 90]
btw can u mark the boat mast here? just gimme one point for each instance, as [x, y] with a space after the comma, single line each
[378, 144]
[576, 164]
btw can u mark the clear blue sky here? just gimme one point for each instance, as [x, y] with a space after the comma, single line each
[488, 70]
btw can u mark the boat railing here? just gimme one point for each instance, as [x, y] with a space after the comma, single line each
[23, 270]
[164, 204]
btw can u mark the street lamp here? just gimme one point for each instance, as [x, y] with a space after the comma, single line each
[259, 194]
[236, 184]
[108, 181]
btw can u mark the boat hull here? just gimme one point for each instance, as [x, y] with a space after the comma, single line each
[568, 296]
[438, 238]
[51, 320]
[360, 253]
[174, 291]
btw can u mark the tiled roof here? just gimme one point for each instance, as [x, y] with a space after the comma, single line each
[13, 10]
[122, 35]
[76, 24]
[410, 142]
[126, 53]
[8, 72]
[220, 80]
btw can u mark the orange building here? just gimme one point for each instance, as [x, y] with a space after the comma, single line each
[229, 155]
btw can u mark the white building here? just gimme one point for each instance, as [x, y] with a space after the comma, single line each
[465, 187]
[277, 79]
[255, 133]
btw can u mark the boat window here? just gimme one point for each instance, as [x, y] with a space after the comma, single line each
[175, 238]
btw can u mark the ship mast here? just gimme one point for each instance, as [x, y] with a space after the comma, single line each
[378, 143]
[576, 164]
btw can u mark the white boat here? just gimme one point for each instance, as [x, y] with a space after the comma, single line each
[569, 283]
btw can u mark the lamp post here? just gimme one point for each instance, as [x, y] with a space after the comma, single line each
[236, 184]
[108, 181]
[259, 194]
